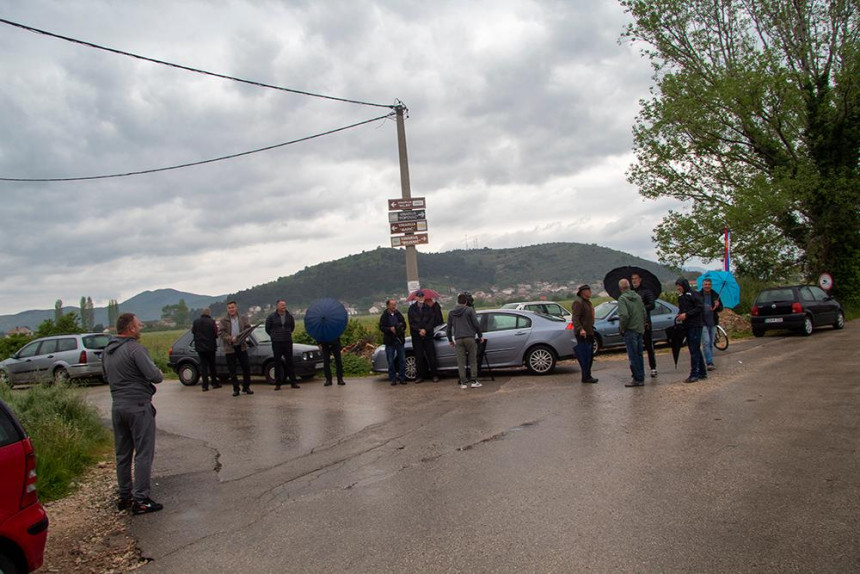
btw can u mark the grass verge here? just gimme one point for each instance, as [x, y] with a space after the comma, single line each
[66, 432]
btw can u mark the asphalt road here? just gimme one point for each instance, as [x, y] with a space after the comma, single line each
[756, 469]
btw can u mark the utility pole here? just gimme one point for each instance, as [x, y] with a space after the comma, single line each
[412, 282]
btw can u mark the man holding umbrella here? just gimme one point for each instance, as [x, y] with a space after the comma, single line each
[583, 327]
[690, 307]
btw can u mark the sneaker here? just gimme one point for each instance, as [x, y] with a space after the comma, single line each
[145, 506]
[691, 380]
[464, 386]
[653, 372]
[711, 367]
[435, 379]
[476, 385]
[124, 503]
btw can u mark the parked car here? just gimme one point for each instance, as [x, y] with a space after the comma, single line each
[23, 521]
[544, 307]
[514, 339]
[798, 307]
[57, 358]
[607, 335]
[183, 359]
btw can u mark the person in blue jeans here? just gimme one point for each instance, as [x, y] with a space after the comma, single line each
[711, 307]
[631, 324]
[690, 315]
[393, 327]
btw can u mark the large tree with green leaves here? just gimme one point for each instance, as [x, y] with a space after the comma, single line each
[754, 122]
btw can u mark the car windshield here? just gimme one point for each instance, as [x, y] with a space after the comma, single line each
[96, 341]
[261, 335]
[603, 310]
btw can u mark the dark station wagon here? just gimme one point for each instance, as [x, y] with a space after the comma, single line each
[307, 359]
[800, 308]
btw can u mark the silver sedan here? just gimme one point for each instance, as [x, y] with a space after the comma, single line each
[514, 339]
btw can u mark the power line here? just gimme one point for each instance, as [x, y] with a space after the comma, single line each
[189, 69]
[231, 156]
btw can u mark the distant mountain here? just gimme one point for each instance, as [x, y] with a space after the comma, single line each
[146, 305]
[372, 276]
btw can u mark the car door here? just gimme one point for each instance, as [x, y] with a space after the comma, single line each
[612, 335]
[507, 335]
[662, 317]
[43, 360]
[22, 369]
[826, 307]
[812, 306]
[446, 358]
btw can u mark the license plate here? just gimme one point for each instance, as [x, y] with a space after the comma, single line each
[774, 320]
[318, 366]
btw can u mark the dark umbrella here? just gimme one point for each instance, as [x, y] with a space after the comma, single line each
[428, 293]
[677, 335]
[326, 320]
[649, 280]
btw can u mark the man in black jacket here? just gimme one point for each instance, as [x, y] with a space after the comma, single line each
[421, 322]
[648, 301]
[393, 327]
[690, 314]
[205, 333]
[280, 326]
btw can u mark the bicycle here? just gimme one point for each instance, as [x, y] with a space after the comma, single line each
[721, 338]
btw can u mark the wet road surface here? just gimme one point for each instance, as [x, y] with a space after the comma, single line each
[756, 469]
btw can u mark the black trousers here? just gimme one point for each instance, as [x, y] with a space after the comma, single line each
[207, 367]
[241, 357]
[648, 341]
[283, 350]
[425, 355]
[329, 349]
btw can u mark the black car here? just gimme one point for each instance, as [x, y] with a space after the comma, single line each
[307, 359]
[798, 307]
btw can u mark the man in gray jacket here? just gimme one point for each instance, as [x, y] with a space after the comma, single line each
[132, 376]
[462, 330]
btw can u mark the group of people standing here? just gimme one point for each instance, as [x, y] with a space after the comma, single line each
[698, 315]
[424, 316]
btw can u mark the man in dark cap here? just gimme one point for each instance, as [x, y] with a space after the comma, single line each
[583, 327]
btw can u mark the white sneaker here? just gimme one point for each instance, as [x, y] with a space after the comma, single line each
[653, 372]
[476, 385]
[464, 386]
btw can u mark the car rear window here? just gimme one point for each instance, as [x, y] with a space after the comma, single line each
[775, 295]
[96, 341]
[8, 431]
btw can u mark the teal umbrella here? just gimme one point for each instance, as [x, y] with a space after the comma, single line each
[725, 285]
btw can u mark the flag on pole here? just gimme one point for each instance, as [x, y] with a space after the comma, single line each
[728, 250]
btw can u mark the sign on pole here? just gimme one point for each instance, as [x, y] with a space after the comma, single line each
[406, 240]
[409, 226]
[414, 203]
[398, 216]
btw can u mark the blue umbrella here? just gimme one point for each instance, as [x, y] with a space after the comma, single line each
[326, 320]
[723, 282]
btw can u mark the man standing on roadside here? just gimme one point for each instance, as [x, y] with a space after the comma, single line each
[648, 301]
[393, 327]
[132, 377]
[235, 349]
[690, 315]
[421, 322]
[631, 324]
[205, 333]
[711, 307]
[583, 328]
[462, 331]
[280, 326]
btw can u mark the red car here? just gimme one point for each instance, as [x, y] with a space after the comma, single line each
[23, 522]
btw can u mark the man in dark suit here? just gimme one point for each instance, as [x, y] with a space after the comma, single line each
[205, 333]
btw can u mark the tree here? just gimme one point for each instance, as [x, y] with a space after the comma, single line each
[58, 310]
[179, 313]
[68, 324]
[755, 122]
[113, 313]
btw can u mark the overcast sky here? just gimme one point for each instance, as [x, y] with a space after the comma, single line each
[519, 132]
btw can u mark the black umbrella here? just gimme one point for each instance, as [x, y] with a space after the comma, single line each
[326, 319]
[649, 280]
[677, 335]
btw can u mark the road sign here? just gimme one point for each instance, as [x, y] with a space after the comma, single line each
[400, 216]
[409, 226]
[404, 240]
[825, 281]
[414, 203]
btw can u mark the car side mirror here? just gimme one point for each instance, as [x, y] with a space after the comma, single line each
[613, 319]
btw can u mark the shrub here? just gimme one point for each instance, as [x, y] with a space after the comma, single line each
[66, 433]
[355, 365]
[10, 344]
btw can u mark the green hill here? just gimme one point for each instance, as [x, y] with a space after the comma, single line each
[372, 276]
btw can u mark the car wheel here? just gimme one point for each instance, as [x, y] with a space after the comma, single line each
[806, 330]
[61, 376]
[540, 360]
[411, 368]
[595, 346]
[7, 566]
[758, 332]
[271, 372]
[840, 320]
[4, 379]
[188, 374]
